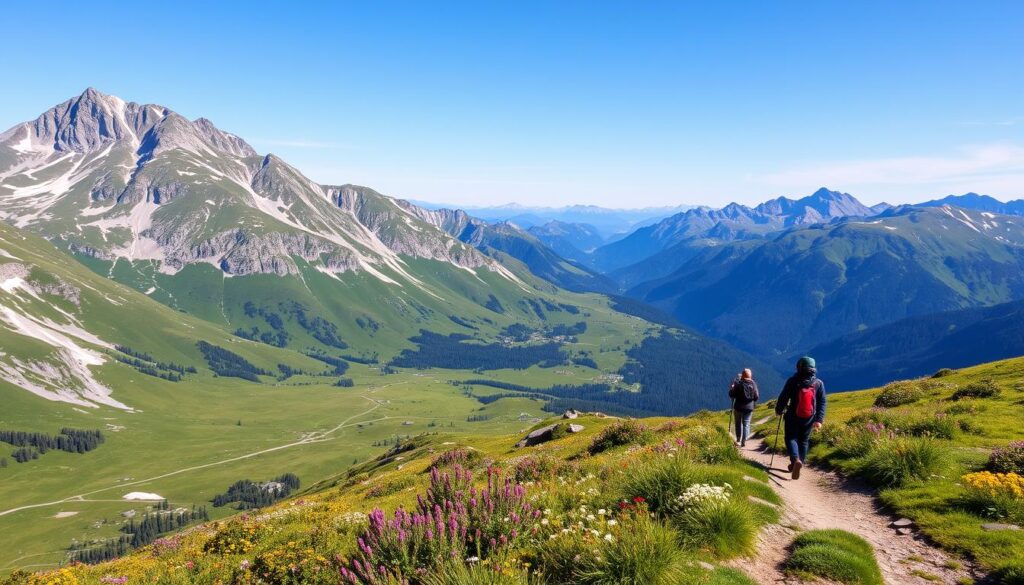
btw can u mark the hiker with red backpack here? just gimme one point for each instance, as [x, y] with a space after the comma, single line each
[803, 402]
[744, 396]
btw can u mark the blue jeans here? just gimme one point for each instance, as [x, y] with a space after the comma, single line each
[742, 425]
[798, 437]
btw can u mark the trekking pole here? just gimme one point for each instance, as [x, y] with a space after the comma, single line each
[776, 446]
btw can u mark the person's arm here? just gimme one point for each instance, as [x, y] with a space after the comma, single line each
[757, 392]
[732, 390]
[783, 401]
[820, 401]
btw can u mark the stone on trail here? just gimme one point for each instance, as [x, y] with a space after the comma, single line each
[902, 523]
[997, 526]
[904, 531]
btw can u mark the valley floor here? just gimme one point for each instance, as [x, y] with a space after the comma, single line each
[823, 500]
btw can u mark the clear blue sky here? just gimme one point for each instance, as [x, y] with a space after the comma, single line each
[612, 103]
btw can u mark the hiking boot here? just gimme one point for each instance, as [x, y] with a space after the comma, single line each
[790, 466]
[796, 466]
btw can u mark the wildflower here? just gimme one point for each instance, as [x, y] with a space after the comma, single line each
[608, 537]
[612, 522]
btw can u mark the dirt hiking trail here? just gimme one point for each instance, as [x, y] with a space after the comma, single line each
[821, 499]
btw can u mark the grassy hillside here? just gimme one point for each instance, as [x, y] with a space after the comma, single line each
[599, 506]
[73, 335]
[928, 446]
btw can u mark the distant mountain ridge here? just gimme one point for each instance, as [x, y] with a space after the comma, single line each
[607, 221]
[706, 226]
[807, 285]
[979, 203]
[570, 240]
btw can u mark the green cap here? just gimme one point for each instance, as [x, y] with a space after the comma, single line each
[806, 362]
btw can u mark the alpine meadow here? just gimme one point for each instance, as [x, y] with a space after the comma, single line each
[538, 294]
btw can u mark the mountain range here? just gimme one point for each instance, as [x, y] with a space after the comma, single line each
[704, 226]
[610, 223]
[195, 218]
[805, 285]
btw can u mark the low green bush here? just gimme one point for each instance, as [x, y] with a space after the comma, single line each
[723, 529]
[708, 444]
[900, 393]
[627, 432]
[643, 551]
[659, 481]
[943, 372]
[894, 462]
[982, 389]
[836, 555]
[457, 573]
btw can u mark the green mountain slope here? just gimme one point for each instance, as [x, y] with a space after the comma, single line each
[805, 286]
[917, 346]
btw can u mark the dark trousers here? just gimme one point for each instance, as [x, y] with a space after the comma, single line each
[798, 436]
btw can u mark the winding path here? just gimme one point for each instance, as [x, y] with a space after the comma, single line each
[822, 499]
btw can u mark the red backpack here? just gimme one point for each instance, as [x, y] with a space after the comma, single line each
[805, 401]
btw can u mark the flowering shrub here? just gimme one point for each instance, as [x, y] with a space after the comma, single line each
[543, 467]
[291, 563]
[669, 448]
[669, 426]
[999, 495]
[626, 432]
[461, 456]
[235, 537]
[59, 577]
[900, 393]
[995, 484]
[702, 493]
[451, 520]
[114, 580]
[1008, 459]
[165, 545]
[350, 522]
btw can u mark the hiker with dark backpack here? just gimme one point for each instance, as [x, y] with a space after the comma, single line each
[744, 396]
[803, 402]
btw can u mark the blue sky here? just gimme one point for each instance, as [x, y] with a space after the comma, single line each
[621, 104]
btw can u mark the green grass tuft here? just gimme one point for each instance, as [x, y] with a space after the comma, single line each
[837, 555]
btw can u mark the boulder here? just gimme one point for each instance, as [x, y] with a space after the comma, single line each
[545, 434]
[571, 413]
